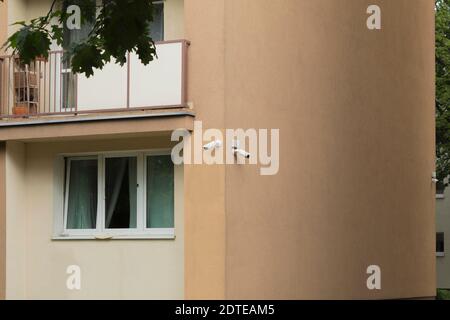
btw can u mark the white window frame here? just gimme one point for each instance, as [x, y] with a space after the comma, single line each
[101, 232]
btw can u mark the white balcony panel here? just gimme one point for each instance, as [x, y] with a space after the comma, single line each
[160, 82]
[106, 89]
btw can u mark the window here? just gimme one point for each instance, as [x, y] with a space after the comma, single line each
[157, 26]
[72, 37]
[118, 195]
[440, 189]
[440, 252]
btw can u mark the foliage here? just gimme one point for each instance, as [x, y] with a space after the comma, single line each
[119, 27]
[442, 294]
[443, 91]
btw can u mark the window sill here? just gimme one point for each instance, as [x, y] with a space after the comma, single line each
[440, 254]
[115, 237]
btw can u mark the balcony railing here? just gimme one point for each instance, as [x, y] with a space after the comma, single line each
[48, 87]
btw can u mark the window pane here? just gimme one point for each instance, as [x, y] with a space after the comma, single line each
[68, 91]
[120, 193]
[157, 26]
[440, 242]
[440, 188]
[82, 200]
[72, 37]
[160, 192]
[75, 36]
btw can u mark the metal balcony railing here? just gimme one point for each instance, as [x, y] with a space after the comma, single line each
[48, 87]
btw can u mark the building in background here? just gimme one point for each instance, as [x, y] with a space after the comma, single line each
[443, 238]
[86, 178]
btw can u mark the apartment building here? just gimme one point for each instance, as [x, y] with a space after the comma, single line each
[86, 177]
[443, 238]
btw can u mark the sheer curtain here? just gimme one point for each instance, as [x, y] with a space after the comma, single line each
[160, 192]
[82, 202]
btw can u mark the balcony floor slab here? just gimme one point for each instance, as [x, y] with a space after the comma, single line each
[95, 124]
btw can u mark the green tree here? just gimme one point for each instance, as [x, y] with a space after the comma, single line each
[119, 27]
[443, 91]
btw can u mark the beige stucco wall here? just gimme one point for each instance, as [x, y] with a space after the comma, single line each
[115, 269]
[36, 8]
[2, 220]
[16, 12]
[3, 22]
[443, 225]
[205, 185]
[173, 19]
[16, 196]
[3, 37]
[355, 109]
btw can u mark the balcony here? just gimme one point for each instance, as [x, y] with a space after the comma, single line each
[48, 88]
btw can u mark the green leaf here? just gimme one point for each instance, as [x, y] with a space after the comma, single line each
[119, 27]
[442, 91]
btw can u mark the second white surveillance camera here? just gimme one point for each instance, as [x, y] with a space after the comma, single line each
[216, 144]
[242, 153]
[238, 151]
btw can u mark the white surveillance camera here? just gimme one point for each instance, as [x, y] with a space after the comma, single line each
[243, 153]
[434, 178]
[240, 152]
[216, 144]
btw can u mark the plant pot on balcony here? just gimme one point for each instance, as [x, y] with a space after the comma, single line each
[24, 109]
